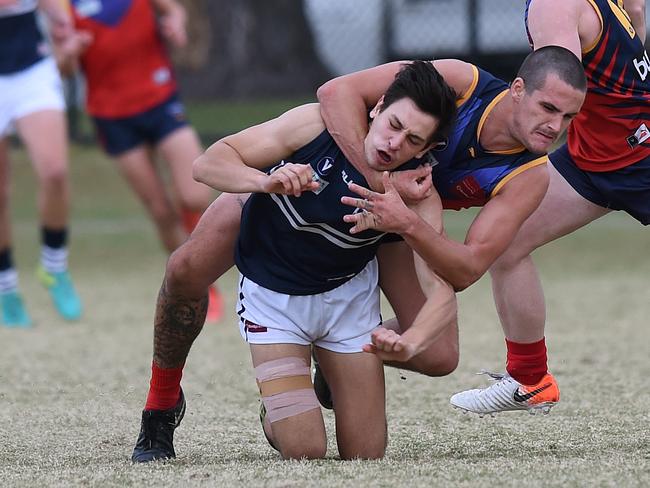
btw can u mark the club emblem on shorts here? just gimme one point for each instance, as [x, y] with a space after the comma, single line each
[253, 327]
[176, 110]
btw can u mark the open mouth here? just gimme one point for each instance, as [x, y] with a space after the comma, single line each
[384, 156]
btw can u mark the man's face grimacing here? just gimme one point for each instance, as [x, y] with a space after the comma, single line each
[397, 133]
[542, 115]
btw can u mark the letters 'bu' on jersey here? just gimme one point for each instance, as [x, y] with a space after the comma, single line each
[301, 245]
[613, 128]
[126, 66]
[21, 41]
[464, 173]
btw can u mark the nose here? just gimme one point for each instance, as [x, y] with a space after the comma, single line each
[396, 141]
[555, 124]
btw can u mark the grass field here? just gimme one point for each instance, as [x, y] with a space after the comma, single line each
[71, 394]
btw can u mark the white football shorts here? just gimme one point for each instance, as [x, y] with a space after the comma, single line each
[339, 320]
[36, 88]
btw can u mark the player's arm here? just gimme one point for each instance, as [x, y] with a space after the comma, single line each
[68, 51]
[489, 235]
[67, 43]
[440, 307]
[173, 21]
[461, 264]
[57, 13]
[636, 10]
[556, 23]
[346, 100]
[234, 163]
[419, 327]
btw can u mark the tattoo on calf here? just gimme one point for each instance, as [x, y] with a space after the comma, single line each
[178, 322]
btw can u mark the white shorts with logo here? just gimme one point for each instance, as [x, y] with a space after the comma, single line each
[36, 88]
[340, 320]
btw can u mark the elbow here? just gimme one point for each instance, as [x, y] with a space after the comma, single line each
[199, 169]
[465, 279]
[326, 91]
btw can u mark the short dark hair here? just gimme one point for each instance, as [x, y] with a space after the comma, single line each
[421, 82]
[552, 59]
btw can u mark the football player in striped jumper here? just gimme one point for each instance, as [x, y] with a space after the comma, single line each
[604, 166]
[497, 132]
[304, 279]
[494, 158]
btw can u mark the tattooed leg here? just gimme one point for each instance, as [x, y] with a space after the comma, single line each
[178, 322]
[183, 299]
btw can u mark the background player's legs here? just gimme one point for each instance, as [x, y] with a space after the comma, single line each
[295, 435]
[12, 309]
[357, 384]
[180, 149]
[44, 134]
[5, 194]
[138, 168]
[46, 139]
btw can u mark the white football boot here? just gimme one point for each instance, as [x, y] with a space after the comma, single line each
[506, 394]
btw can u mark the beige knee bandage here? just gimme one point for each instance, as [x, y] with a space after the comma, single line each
[286, 388]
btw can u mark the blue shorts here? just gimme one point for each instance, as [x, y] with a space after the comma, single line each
[149, 127]
[626, 189]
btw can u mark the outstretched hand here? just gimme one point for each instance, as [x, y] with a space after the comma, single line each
[388, 345]
[385, 212]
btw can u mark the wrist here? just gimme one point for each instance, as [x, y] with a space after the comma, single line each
[261, 183]
[410, 224]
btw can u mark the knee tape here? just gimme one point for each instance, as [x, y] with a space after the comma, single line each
[286, 388]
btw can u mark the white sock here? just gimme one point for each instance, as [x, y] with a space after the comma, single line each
[54, 260]
[8, 280]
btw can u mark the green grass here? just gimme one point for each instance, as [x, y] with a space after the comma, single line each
[71, 394]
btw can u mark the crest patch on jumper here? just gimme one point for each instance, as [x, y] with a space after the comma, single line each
[325, 165]
[642, 134]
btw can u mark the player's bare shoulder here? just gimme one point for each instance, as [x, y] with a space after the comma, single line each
[301, 124]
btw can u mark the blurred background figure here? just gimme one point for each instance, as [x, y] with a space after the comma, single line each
[133, 99]
[32, 105]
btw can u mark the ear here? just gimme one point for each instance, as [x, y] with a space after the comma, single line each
[518, 89]
[375, 111]
[424, 151]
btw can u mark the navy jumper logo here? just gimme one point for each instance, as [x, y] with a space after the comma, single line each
[325, 165]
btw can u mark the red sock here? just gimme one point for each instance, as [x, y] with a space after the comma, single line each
[527, 362]
[164, 388]
[190, 219]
